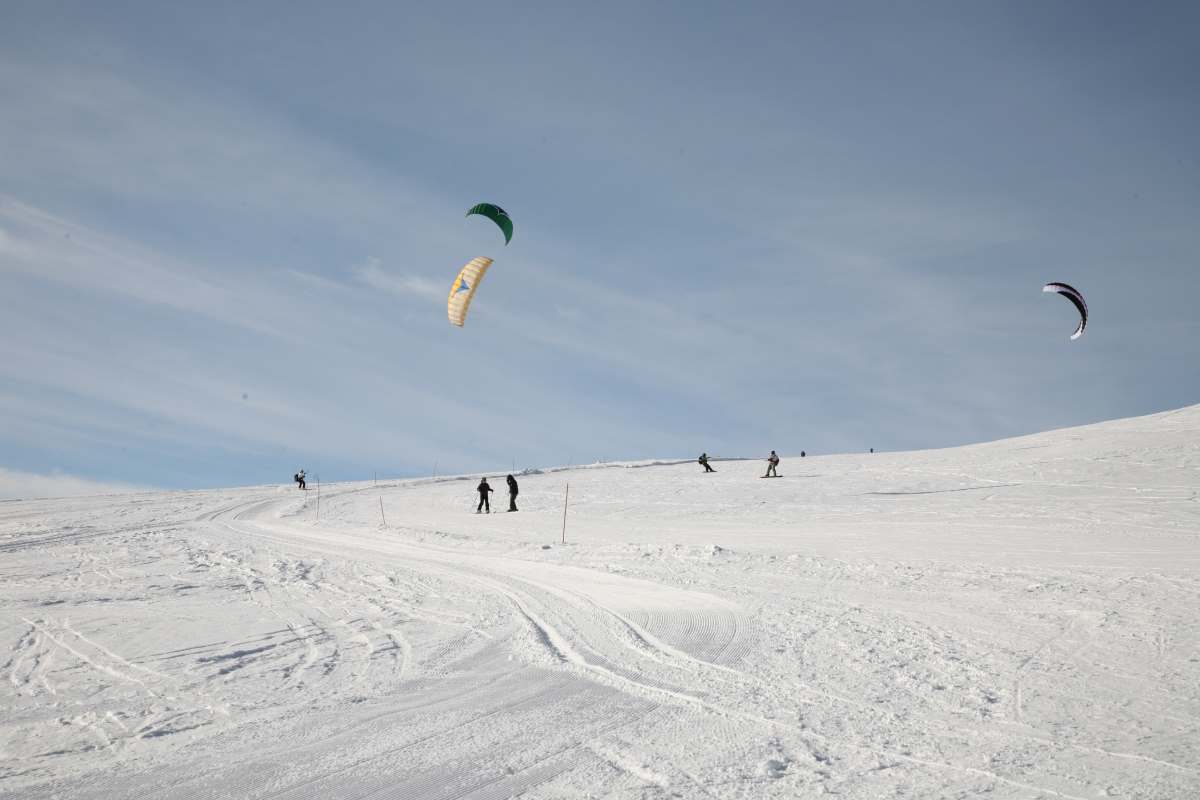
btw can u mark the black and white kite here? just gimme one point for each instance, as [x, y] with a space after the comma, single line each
[1072, 294]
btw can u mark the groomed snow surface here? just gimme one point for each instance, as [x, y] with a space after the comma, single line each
[1016, 619]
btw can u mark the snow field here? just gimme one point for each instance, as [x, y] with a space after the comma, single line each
[1016, 618]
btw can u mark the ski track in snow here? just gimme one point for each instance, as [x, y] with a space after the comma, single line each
[1013, 618]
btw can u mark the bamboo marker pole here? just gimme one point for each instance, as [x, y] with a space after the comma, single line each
[318, 477]
[381, 514]
[566, 496]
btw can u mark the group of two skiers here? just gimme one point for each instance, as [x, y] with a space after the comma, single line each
[772, 463]
[484, 490]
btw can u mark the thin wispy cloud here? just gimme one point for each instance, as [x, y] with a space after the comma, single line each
[16, 485]
[371, 274]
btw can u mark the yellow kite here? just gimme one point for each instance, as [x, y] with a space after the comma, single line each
[463, 289]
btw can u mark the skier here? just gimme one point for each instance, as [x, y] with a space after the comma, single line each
[299, 478]
[704, 463]
[483, 490]
[772, 463]
[512, 493]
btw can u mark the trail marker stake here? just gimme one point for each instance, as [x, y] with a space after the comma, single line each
[381, 514]
[566, 497]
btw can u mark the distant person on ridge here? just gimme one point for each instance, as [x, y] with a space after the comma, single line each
[704, 463]
[772, 463]
[299, 478]
[483, 490]
[512, 493]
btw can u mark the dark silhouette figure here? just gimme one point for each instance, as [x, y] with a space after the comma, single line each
[299, 479]
[512, 493]
[772, 463]
[802, 454]
[484, 490]
[872, 449]
[704, 463]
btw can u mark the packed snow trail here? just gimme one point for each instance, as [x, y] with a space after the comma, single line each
[1015, 618]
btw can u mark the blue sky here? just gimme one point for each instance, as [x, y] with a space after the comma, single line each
[227, 232]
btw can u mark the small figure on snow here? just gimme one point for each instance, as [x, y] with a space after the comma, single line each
[512, 493]
[484, 490]
[772, 463]
[802, 454]
[299, 479]
[704, 463]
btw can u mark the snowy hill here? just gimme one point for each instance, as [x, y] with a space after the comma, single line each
[1017, 618]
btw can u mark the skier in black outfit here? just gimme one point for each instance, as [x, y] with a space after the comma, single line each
[299, 478]
[483, 490]
[704, 463]
[512, 493]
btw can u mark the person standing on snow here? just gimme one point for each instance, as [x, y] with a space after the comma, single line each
[512, 493]
[299, 478]
[704, 463]
[483, 490]
[772, 463]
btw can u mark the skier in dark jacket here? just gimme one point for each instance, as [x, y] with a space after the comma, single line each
[483, 490]
[299, 478]
[704, 463]
[512, 493]
[772, 463]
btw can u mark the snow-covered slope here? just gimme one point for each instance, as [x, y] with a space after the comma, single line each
[1017, 618]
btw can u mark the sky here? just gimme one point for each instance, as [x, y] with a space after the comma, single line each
[228, 230]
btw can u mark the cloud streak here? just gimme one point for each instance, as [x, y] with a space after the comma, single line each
[16, 485]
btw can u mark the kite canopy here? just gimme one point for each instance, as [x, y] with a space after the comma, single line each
[1072, 294]
[497, 215]
[462, 291]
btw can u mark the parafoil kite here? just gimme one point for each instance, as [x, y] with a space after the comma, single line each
[462, 291]
[497, 215]
[1072, 294]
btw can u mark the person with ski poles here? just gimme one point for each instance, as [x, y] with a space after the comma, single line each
[484, 490]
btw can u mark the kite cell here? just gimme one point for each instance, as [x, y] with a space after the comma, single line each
[1075, 297]
[462, 291]
[497, 215]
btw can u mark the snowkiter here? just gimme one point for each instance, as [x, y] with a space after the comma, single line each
[512, 493]
[484, 490]
[299, 478]
[704, 463]
[772, 463]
